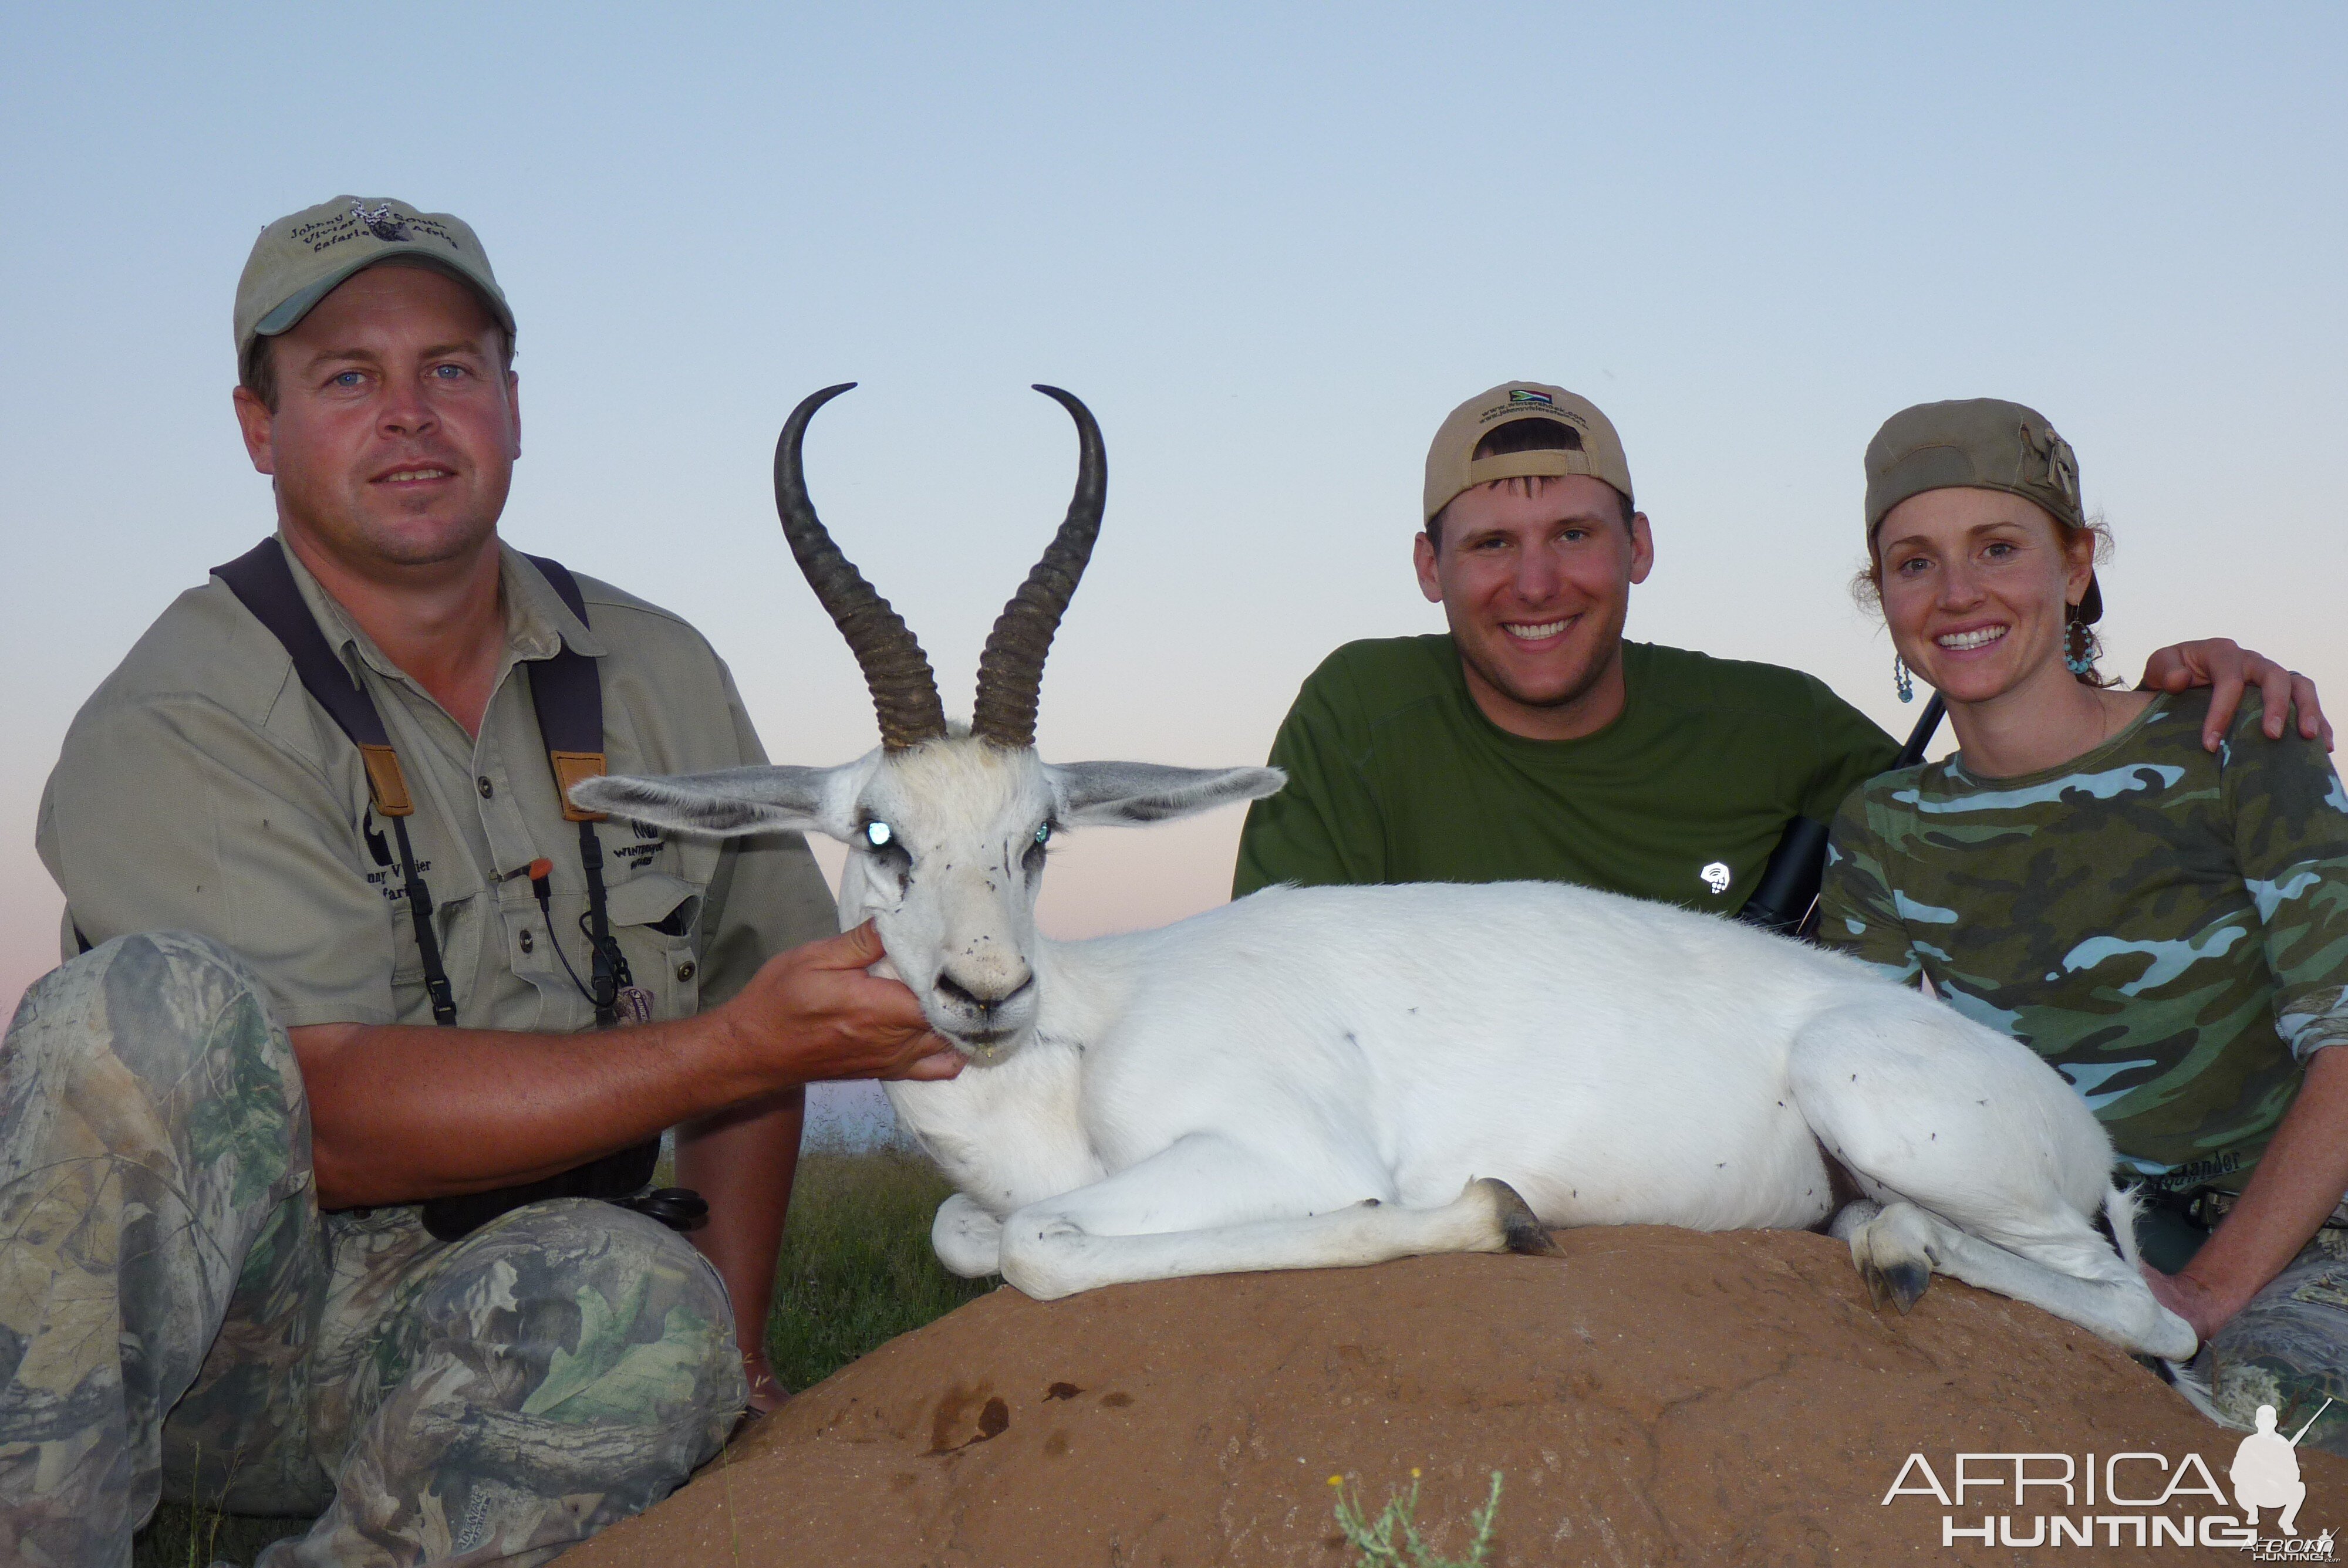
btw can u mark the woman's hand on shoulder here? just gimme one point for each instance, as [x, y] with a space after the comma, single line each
[2228, 668]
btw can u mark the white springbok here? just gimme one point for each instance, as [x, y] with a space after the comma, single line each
[1334, 1076]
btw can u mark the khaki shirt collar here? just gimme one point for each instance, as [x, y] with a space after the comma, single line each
[537, 623]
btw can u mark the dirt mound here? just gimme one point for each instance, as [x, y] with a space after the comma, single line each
[1654, 1396]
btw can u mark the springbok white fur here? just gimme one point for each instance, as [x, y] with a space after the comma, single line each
[1317, 1077]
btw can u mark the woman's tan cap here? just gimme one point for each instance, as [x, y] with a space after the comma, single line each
[299, 260]
[1452, 465]
[1975, 444]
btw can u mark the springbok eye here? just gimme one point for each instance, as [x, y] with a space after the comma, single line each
[879, 834]
[1044, 834]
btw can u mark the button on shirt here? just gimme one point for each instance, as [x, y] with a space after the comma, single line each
[200, 789]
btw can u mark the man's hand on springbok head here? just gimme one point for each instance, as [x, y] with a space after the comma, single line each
[813, 1015]
[2229, 669]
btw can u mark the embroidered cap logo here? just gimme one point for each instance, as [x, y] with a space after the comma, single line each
[381, 221]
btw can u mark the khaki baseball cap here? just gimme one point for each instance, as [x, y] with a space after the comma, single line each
[1452, 465]
[299, 260]
[1976, 443]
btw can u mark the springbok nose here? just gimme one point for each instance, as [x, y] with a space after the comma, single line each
[953, 990]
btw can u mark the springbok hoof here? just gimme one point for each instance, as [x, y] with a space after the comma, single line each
[1903, 1281]
[1892, 1250]
[1520, 1228]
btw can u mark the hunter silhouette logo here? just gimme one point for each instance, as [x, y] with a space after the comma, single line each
[2265, 1474]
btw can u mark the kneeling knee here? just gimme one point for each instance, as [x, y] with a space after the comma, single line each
[606, 1310]
[180, 1014]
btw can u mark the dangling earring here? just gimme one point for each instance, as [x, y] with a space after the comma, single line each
[2078, 644]
[1899, 682]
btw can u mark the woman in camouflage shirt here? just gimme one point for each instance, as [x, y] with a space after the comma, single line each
[2162, 916]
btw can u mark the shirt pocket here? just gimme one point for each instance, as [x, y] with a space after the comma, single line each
[653, 915]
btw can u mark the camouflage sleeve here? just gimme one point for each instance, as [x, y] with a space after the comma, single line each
[1857, 911]
[1325, 828]
[2290, 841]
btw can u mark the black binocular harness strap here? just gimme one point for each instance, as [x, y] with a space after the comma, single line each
[567, 696]
[568, 700]
[265, 584]
[1786, 900]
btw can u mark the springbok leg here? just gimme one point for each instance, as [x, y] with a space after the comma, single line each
[1209, 1206]
[1987, 1169]
[1905, 1241]
[967, 1239]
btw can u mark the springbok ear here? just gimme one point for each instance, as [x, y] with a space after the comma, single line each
[731, 801]
[1127, 795]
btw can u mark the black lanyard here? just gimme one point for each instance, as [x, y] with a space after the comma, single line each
[568, 698]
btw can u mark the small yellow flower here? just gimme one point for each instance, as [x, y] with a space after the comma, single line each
[1414, 1472]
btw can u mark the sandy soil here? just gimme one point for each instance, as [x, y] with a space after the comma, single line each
[1652, 1397]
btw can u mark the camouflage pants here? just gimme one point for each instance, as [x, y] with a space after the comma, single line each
[176, 1315]
[2288, 1347]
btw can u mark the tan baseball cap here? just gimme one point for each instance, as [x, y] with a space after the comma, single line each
[1975, 444]
[299, 260]
[1452, 465]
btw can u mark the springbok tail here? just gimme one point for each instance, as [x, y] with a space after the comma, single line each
[2195, 1387]
[2120, 1209]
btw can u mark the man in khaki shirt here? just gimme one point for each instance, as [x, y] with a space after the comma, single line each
[217, 1124]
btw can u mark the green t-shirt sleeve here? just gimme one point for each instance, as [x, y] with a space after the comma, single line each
[1325, 827]
[1856, 912]
[2291, 840]
[1851, 750]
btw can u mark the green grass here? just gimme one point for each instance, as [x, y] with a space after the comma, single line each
[856, 1271]
[180, 1536]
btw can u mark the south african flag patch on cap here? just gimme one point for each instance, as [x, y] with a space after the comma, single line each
[1527, 394]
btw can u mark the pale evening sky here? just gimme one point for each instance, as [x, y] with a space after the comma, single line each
[1271, 246]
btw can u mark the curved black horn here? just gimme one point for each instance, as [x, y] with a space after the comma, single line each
[1011, 667]
[904, 688]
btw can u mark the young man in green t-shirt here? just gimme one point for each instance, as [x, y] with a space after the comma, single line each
[1532, 742]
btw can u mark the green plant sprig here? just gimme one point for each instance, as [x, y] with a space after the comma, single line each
[1391, 1539]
